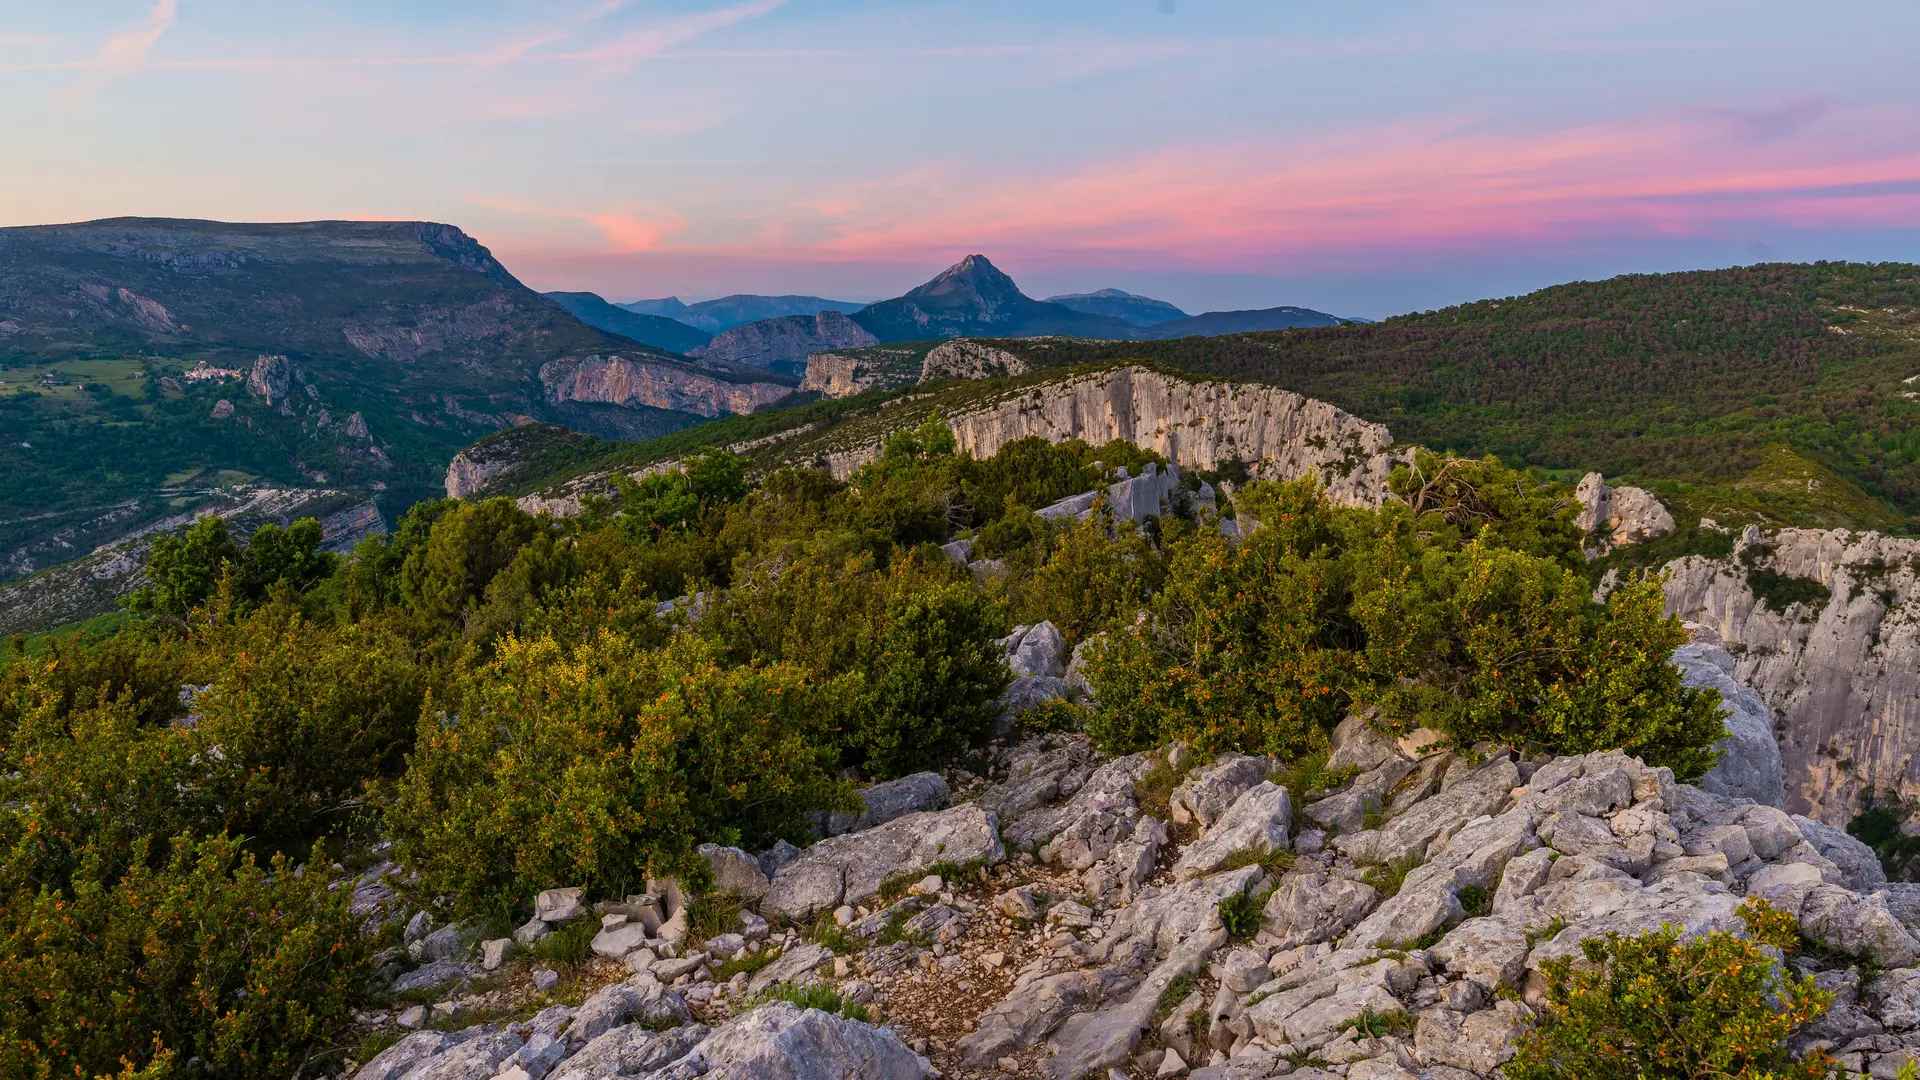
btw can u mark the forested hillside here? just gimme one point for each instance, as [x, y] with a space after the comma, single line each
[144, 361]
[1765, 390]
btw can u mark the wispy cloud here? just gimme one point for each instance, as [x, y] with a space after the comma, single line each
[624, 230]
[125, 52]
[652, 41]
[1437, 185]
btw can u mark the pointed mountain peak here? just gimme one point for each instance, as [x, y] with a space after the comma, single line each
[973, 277]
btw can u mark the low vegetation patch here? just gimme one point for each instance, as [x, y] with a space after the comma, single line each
[1308, 776]
[1662, 1005]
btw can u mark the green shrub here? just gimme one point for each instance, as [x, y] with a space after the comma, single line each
[914, 645]
[815, 995]
[568, 944]
[1264, 645]
[174, 952]
[304, 717]
[1778, 592]
[1378, 1025]
[1240, 915]
[1388, 877]
[184, 571]
[600, 764]
[1176, 991]
[1308, 775]
[1661, 1006]
[1878, 827]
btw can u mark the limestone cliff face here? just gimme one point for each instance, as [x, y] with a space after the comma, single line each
[969, 360]
[469, 472]
[618, 380]
[1843, 681]
[1197, 424]
[786, 341]
[840, 375]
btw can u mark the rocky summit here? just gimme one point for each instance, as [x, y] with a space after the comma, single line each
[974, 298]
[1067, 914]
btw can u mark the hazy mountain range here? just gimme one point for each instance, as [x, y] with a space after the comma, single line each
[972, 298]
[727, 312]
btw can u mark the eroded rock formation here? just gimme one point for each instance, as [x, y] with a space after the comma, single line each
[619, 380]
[1615, 516]
[1196, 423]
[1840, 672]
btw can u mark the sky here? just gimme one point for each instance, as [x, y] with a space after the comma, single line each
[1365, 159]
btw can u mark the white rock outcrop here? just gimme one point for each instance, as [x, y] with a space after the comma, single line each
[1749, 766]
[965, 359]
[1615, 516]
[1194, 423]
[1841, 677]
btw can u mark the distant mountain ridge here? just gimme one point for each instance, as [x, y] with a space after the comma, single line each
[141, 357]
[974, 298]
[1129, 307]
[655, 330]
[1215, 323]
[724, 313]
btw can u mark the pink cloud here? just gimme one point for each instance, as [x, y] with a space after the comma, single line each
[1434, 185]
[125, 52]
[623, 230]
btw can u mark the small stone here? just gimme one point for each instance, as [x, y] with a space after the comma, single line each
[753, 927]
[926, 886]
[1018, 903]
[515, 1072]
[612, 922]
[412, 1019]
[533, 931]
[843, 915]
[495, 952]
[418, 926]
[640, 960]
[446, 1010]
[1178, 755]
[994, 959]
[544, 979]
[1069, 913]
[558, 905]
[1171, 1065]
[1009, 1064]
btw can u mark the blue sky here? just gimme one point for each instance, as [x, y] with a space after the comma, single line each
[1365, 159]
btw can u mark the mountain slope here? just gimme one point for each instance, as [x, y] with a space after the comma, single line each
[1125, 306]
[724, 313]
[1214, 323]
[139, 357]
[783, 344]
[1730, 391]
[973, 298]
[655, 330]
